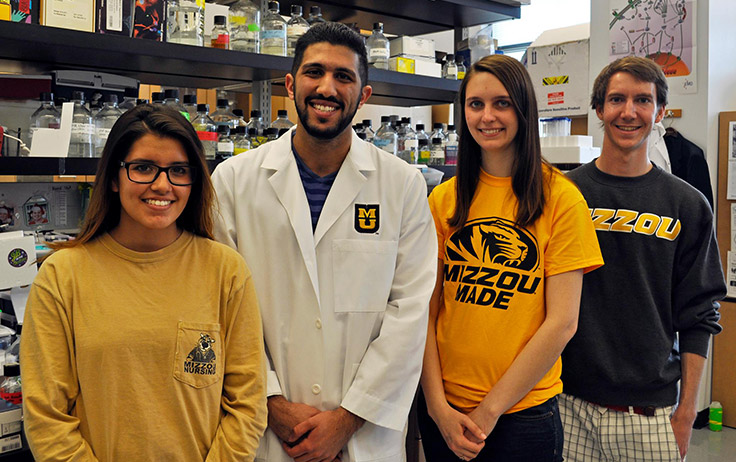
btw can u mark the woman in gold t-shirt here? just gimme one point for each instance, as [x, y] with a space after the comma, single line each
[142, 338]
[515, 237]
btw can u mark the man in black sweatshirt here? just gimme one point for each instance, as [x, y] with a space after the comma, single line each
[646, 317]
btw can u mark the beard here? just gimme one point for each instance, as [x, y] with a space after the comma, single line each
[330, 132]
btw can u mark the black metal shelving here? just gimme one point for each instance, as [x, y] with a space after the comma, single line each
[34, 49]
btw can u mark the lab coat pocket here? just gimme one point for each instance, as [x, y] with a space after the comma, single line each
[198, 360]
[362, 271]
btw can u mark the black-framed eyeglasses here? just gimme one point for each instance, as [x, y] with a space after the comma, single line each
[147, 173]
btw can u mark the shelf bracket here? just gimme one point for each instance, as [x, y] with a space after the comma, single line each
[262, 98]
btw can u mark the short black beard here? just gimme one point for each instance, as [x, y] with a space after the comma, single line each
[330, 133]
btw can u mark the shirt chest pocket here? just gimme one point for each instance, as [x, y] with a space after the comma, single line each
[198, 360]
[363, 272]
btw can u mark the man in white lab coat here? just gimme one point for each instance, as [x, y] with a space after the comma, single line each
[342, 247]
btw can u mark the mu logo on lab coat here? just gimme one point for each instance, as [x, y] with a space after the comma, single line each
[367, 218]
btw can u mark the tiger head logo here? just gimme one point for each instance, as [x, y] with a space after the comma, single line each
[494, 240]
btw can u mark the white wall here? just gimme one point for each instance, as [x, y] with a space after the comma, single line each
[716, 72]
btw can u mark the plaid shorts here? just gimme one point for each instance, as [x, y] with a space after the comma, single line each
[596, 433]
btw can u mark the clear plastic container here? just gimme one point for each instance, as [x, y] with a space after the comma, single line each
[273, 32]
[377, 48]
[245, 22]
[282, 120]
[481, 44]
[81, 143]
[185, 22]
[554, 126]
[206, 130]
[223, 115]
[315, 15]
[104, 120]
[220, 34]
[295, 28]
[46, 116]
[386, 138]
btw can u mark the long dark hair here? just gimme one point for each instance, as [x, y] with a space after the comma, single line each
[104, 210]
[528, 174]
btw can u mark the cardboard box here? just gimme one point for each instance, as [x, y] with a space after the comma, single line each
[19, 11]
[115, 17]
[149, 20]
[69, 14]
[10, 420]
[10, 443]
[424, 66]
[401, 64]
[557, 62]
[412, 46]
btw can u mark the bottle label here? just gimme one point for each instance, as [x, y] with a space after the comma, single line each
[103, 133]
[82, 130]
[253, 28]
[221, 41]
[237, 21]
[273, 34]
[237, 151]
[460, 75]
[435, 154]
[15, 398]
[224, 146]
[297, 30]
[378, 53]
[424, 156]
[451, 154]
[207, 136]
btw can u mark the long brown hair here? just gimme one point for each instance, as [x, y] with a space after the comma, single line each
[528, 174]
[104, 210]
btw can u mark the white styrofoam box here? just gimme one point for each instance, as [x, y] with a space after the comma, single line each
[557, 62]
[412, 46]
[569, 154]
[17, 259]
[567, 141]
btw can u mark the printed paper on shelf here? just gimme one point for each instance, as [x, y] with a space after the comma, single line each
[731, 276]
[115, 15]
[69, 14]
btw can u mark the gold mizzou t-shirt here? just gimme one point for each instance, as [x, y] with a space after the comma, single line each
[493, 296]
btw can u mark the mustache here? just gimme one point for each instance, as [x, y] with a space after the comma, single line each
[331, 99]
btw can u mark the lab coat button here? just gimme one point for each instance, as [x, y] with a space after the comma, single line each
[316, 389]
[318, 324]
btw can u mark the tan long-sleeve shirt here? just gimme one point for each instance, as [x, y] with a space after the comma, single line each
[143, 356]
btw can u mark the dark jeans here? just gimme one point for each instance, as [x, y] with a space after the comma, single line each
[533, 435]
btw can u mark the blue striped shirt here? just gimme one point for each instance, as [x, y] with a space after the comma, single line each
[316, 187]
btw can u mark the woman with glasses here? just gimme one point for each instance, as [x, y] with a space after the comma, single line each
[142, 337]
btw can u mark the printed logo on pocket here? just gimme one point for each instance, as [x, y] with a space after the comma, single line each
[367, 218]
[202, 360]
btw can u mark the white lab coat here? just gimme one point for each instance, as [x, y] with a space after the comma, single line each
[658, 148]
[344, 312]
